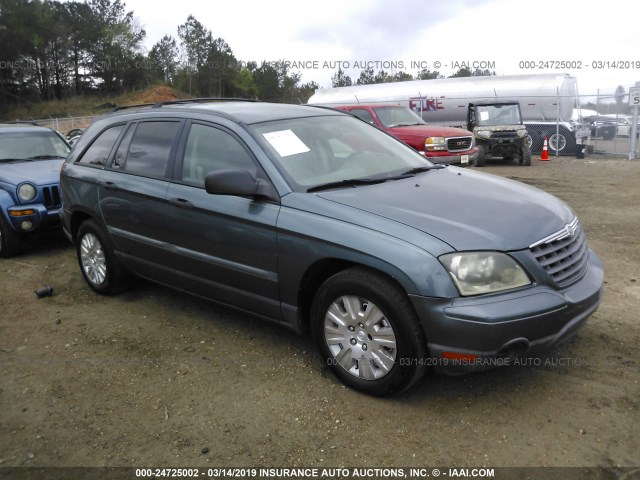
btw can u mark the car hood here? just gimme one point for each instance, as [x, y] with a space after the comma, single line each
[39, 172]
[468, 210]
[430, 131]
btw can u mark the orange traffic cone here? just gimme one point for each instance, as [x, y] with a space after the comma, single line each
[545, 150]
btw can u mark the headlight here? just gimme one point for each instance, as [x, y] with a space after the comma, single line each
[522, 133]
[435, 143]
[475, 273]
[484, 133]
[27, 192]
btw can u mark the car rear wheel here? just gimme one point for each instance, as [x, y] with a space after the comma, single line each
[98, 264]
[367, 332]
[10, 241]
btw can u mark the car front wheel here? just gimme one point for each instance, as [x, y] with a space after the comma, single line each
[482, 156]
[10, 241]
[367, 332]
[98, 264]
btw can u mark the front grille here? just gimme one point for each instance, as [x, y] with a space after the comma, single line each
[563, 255]
[51, 197]
[458, 144]
[504, 137]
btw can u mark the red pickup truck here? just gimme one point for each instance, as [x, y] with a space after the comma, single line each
[439, 144]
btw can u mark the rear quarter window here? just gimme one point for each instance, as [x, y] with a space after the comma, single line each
[98, 153]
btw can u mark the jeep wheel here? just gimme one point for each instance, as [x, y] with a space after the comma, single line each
[10, 241]
[367, 332]
[482, 155]
[557, 142]
[98, 264]
[528, 141]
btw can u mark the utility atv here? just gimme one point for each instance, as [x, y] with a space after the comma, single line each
[499, 132]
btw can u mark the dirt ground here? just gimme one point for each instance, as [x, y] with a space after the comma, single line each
[155, 378]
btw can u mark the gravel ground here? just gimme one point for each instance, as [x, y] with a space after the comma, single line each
[156, 378]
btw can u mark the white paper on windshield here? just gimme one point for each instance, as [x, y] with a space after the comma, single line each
[484, 116]
[286, 143]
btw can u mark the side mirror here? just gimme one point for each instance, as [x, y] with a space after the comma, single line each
[237, 182]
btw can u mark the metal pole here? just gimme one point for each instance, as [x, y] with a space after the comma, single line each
[595, 128]
[633, 133]
[634, 130]
[557, 121]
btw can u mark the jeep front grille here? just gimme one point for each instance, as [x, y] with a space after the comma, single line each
[458, 144]
[504, 137]
[563, 255]
[51, 197]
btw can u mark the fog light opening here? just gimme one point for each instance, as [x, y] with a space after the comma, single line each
[514, 349]
[26, 225]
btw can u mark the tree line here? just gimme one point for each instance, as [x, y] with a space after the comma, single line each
[55, 50]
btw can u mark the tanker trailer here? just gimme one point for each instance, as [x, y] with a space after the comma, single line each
[546, 102]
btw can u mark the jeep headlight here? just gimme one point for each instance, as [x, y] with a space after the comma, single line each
[27, 192]
[475, 273]
[483, 133]
[435, 143]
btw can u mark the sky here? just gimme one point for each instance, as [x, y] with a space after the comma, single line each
[599, 43]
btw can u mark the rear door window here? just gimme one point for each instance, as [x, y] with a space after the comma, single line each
[150, 148]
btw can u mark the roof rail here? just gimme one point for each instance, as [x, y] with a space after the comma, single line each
[124, 107]
[201, 100]
[183, 101]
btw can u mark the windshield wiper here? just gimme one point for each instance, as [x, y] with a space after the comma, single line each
[45, 157]
[416, 170]
[405, 124]
[354, 182]
[351, 182]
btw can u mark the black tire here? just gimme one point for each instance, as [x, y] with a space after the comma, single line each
[97, 261]
[566, 142]
[11, 243]
[482, 156]
[393, 358]
[609, 134]
[525, 157]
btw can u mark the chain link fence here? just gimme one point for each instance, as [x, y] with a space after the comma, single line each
[63, 124]
[600, 123]
[609, 121]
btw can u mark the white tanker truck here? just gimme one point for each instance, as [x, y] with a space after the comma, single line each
[546, 103]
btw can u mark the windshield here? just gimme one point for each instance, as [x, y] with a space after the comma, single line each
[488, 115]
[32, 145]
[397, 117]
[316, 151]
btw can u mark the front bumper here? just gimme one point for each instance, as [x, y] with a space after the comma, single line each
[36, 216]
[452, 158]
[476, 333]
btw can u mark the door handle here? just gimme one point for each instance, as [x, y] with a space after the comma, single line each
[181, 203]
[109, 186]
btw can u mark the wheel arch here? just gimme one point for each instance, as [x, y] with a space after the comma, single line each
[77, 218]
[320, 271]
